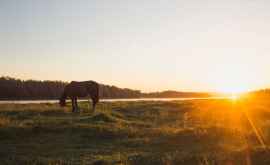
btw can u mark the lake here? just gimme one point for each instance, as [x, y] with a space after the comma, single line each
[112, 100]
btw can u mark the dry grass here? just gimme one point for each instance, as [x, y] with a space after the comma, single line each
[201, 132]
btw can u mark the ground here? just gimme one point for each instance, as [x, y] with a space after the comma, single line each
[197, 132]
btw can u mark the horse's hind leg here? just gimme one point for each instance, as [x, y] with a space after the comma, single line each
[94, 104]
[73, 105]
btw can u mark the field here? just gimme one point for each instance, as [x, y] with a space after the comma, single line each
[198, 132]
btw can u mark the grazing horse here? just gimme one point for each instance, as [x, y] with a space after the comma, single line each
[75, 89]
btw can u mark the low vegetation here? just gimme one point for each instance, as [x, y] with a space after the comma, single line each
[198, 132]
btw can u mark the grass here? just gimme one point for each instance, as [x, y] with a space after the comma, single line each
[198, 132]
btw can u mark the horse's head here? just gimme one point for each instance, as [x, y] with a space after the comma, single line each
[62, 102]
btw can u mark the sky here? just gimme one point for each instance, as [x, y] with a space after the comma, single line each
[153, 45]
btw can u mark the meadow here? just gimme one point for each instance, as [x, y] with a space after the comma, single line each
[195, 132]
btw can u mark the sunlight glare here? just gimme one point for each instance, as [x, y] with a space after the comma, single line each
[234, 97]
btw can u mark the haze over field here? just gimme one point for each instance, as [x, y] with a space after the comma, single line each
[147, 45]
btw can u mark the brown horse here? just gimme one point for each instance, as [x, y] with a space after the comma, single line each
[74, 90]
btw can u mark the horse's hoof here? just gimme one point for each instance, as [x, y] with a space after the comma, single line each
[75, 111]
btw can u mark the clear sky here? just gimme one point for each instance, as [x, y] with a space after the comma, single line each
[190, 45]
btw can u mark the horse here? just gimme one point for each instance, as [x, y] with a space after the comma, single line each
[76, 89]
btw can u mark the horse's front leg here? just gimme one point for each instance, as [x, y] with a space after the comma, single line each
[76, 104]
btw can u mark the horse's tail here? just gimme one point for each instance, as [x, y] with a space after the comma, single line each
[97, 92]
[93, 90]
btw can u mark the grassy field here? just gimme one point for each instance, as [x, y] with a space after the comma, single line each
[198, 132]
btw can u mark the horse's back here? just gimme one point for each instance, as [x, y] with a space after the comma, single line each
[83, 83]
[75, 88]
[82, 88]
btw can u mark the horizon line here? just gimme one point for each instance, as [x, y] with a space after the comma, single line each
[145, 92]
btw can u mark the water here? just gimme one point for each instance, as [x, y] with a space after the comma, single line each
[111, 100]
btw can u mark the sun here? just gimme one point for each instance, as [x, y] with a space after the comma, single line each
[234, 97]
[231, 79]
[233, 89]
[234, 94]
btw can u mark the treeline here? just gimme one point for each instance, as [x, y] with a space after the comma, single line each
[175, 94]
[263, 93]
[16, 89]
[107, 91]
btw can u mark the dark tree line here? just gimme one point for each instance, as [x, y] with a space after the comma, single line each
[11, 88]
[16, 89]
